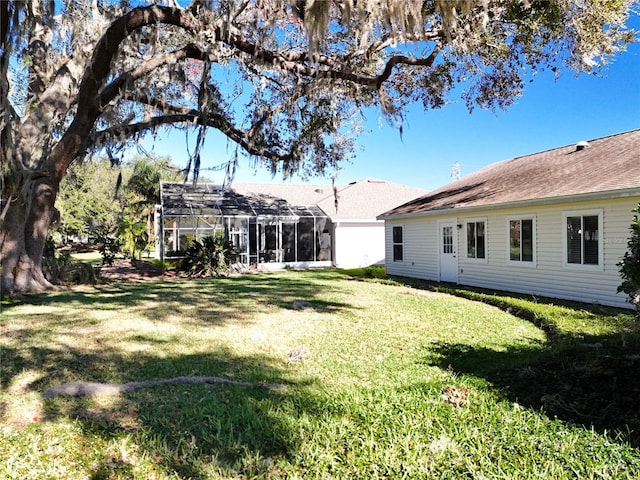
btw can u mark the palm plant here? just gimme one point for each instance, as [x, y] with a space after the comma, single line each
[209, 256]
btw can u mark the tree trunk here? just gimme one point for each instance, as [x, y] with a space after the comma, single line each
[27, 209]
[23, 234]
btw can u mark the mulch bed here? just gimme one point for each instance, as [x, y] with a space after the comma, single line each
[136, 271]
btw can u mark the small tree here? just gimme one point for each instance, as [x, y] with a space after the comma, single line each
[108, 243]
[87, 200]
[92, 205]
[143, 188]
[131, 230]
[148, 172]
[630, 264]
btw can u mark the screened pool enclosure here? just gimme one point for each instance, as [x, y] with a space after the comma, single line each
[264, 230]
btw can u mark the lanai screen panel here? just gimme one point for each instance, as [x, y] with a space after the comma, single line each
[262, 229]
[188, 214]
[301, 236]
[179, 232]
[312, 236]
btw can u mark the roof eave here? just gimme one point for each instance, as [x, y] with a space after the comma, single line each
[581, 197]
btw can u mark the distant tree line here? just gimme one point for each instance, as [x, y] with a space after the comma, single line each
[110, 207]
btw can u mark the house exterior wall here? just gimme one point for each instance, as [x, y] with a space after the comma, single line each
[420, 242]
[548, 275]
[359, 244]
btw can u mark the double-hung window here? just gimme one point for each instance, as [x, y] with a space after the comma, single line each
[398, 244]
[522, 238]
[583, 238]
[476, 239]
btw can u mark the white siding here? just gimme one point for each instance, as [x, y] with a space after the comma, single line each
[359, 244]
[548, 277]
[420, 249]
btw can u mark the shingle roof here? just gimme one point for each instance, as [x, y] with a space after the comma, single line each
[606, 164]
[361, 200]
[367, 198]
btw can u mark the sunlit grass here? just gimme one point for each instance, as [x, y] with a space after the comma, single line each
[366, 401]
[93, 257]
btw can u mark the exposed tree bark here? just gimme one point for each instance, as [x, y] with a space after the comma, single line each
[30, 211]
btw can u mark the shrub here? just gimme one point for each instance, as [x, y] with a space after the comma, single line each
[108, 245]
[374, 272]
[162, 265]
[132, 234]
[630, 264]
[77, 273]
[52, 263]
[58, 267]
[209, 256]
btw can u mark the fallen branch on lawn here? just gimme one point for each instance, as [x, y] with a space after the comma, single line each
[94, 389]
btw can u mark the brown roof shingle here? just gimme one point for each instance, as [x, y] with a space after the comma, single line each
[606, 164]
[361, 200]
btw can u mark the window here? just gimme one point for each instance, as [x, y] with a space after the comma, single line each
[447, 239]
[522, 239]
[583, 238]
[476, 239]
[397, 244]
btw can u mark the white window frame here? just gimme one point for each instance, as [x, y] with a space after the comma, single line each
[534, 234]
[466, 256]
[393, 244]
[584, 213]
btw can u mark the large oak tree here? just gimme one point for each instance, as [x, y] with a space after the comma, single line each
[283, 80]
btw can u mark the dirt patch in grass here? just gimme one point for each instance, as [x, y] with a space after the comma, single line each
[137, 271]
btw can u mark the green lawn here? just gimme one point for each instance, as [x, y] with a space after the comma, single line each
[550, 394]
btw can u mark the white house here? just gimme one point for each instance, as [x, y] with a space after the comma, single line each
[554, 223]
[358, 236]
[273, 225]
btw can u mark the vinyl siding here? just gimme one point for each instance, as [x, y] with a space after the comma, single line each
[548, 276]
[420, 249]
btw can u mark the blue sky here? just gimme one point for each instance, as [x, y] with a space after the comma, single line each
[551, 113]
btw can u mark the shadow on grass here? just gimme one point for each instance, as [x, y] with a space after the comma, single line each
[218, 300]
[580, 384]
[590, 380]
[187, 429]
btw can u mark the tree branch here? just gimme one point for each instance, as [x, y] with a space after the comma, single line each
[91, 99]
[401, 59]
[241, 8]
[294, 62]
[96, 73]
[94, 389]
[111, 91]
[387, 40]
[195, 118]
[38, 47]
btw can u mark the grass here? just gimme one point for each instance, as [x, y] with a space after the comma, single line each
[92, 257]
[552, 392]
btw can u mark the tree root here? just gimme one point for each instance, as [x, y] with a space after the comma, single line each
[94, 389]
